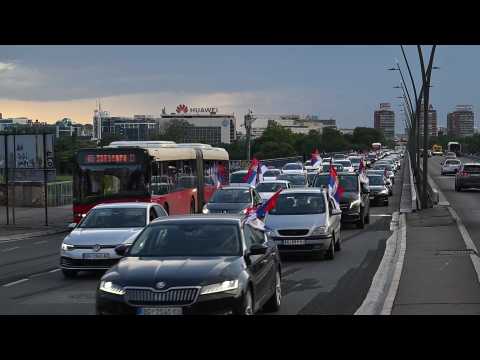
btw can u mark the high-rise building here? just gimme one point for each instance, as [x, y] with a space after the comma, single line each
[384, 120]
[432, 121]
[460, 123]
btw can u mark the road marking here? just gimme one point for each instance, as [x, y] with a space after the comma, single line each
[15, 282]
[385, 215]
[467, 240]
[54, 270]
[11, 249]
[40, 242]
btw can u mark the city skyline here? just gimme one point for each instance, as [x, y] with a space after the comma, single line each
[342, 82]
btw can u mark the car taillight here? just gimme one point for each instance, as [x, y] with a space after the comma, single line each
[464, 173]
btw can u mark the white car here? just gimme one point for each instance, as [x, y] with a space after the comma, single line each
[294, 168]
[347, 165]
[91, 245]
[271, 174]
[267, 188]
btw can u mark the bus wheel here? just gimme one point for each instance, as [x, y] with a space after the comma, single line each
[192, 206]
[167, 209]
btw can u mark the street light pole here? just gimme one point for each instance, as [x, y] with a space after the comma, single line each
[426, 86]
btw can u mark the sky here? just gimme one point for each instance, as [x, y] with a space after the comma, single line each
[346, 83]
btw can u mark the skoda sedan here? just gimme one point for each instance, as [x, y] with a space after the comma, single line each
[194, 265]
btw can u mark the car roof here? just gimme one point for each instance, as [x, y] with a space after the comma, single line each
[129, 205]
[274, 182]
[302, 190]
[236, 187]
[195, 217]
[468, 164]
[293, 163]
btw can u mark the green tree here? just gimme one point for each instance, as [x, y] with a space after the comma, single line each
[174, 130]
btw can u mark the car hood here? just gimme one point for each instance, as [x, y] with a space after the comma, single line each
[102, 236]
[235, 207]
[174, 271]
[309, 221]
[377, 188]
[268, 178]
[293, 172]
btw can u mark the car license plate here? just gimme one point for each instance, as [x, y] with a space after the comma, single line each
[372, 197]
[160, 311]
[96, 256]
[293, 242]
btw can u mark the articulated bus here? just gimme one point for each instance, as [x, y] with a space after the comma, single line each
[180, 177]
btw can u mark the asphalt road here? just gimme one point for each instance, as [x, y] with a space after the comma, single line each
[31, 283]
[466, 203]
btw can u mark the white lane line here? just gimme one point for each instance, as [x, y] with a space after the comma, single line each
[384, 215]
[467, 240]
[54, 270]
[40, 242]
[15, 282]
[11, 249]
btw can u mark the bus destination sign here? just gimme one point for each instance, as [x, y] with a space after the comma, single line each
[109, 158]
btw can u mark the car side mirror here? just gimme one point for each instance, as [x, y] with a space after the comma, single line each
[72, 226]
[257, 249]
[122, 249]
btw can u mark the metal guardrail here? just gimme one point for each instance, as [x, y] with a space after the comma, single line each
[413, 188]
[60, 193]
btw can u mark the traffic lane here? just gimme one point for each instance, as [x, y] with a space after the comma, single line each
[316, 287]
[309, 286]
[23, 258]
[466, 203]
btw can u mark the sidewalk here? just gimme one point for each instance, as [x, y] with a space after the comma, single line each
[30, 222]
[438, 276]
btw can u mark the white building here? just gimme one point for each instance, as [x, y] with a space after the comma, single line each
[296, 123]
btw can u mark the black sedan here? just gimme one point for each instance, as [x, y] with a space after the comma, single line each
[194, 265]
[232, 200]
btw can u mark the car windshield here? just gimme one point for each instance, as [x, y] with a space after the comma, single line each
[382, 167]
[299, 204]
[270, 187]
[188, 238]
[111, 218]
[376, 180]
[337, 167]
[237, 177]
[452, 162]
[355, 160]
[348, 182]
[294, 179]
[344, 163]
[271, 173]
[293, 167]
[231, 196]
[472, 169]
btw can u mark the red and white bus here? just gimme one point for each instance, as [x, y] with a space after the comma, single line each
[180, 177]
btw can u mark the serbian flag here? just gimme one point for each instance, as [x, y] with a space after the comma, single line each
[251, 176]
[334, 188]
[219, 175]
[268, 205]
[361, 167]
[315, 159]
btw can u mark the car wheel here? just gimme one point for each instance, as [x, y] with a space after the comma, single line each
[367, 218]
[361, 222]
[458, 188]
[192, 207]
[69, 274]
[338, 244]
[273, 304]
[330, 253]
[385, 203]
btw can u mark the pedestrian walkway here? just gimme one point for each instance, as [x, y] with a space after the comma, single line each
[438, 276]
[30, 222]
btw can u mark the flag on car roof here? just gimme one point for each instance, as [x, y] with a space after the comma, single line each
[251, 177]
[261, 170]
[261, 211]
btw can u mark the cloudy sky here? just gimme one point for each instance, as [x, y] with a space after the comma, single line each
[343, 82]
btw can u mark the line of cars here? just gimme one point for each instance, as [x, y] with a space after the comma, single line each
[215, 263]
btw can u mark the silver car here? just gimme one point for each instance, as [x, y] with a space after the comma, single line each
[305, 221]
[450, 166]
[91, 244]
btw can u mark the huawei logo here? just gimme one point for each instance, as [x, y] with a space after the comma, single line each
[182, 108]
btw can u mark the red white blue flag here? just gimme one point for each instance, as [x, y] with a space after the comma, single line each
[252, 173]
[335, 190]
[315, 159]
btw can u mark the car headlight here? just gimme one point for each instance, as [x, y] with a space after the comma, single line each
[205, 209]
[321, 230]
[219, 287]
[355, 204]
[67, 247]
[384, 192]
[111, 288]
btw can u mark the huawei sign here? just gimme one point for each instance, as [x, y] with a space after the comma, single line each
[182, 108]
